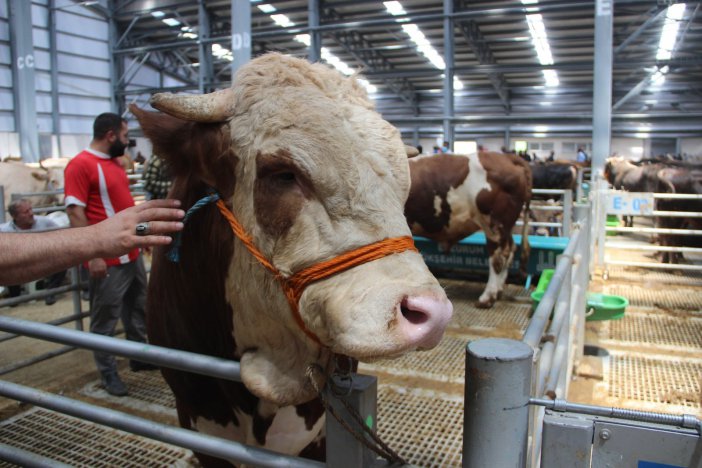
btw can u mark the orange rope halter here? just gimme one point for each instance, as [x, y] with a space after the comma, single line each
[294, 286]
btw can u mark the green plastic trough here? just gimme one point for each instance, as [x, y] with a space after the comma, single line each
[599, 306]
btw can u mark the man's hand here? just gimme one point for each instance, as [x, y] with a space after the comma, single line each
[97, 268]
[117, 235]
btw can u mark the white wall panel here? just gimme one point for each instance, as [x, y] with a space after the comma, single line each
[83, 106]
[6, 100]
[5, 77]
[86, 86]
[83, 65]
[82, 24]
[40, 37]
[42, 59]
[73, 44]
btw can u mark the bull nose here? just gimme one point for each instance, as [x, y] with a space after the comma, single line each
[423, 318]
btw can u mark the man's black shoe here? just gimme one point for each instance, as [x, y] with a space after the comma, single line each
[137, 366]
[50, 300]
[113, 384]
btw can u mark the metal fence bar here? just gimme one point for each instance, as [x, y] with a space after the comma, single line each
[687, 421]
[2, 203]
[27, 459]
[33, 360]
[176, 359]
[677, 196]
[36, 295]
[661, 266]
[645, 230]
[539, 321]
[654, 248]
[192, 440]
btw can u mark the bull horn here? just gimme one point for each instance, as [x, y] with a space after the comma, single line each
[206, 108]
[411, 151]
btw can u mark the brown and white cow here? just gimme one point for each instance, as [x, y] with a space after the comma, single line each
[17, 177]
[453, 196]
[311, 171]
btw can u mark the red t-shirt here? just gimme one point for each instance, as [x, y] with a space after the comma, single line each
[99, 184]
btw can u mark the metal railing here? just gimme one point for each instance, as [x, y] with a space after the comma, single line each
[604, 243]
[564, 205]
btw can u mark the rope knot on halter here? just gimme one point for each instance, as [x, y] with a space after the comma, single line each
[293, 286]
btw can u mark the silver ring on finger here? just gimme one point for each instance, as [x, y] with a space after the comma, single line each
[142, 229]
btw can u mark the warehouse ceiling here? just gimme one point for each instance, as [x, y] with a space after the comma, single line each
[501, 81]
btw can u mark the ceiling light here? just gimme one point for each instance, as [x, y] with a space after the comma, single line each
[266, 8]
[551, 78]
[158, 14]
[394, 8]
[171, 21]
[669, 33]
[541, 128]
[304, 38]
[282, 20]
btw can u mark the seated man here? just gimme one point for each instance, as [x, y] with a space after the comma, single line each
[23, 220]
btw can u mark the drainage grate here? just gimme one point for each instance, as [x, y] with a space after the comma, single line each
[147, 391]
[506, 318]
[81, 443]
[671, 298]
[445, 363]
[657, 330]
[669, 381]
[639, 275]
[425, 428]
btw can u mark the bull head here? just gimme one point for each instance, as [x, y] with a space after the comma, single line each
[311, 171]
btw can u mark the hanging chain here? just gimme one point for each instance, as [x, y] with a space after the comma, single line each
[316, 376]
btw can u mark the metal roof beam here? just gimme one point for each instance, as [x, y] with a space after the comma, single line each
[476, 40]
[654, 15]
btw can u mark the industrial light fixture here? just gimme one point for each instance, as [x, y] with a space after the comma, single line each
[668, 39]
[539, 38]
[416, 35]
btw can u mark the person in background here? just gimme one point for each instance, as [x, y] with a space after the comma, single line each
[582, 156]
[551, 156]
[446, 148]
[157, 180]
[96, 188]
[24, 220]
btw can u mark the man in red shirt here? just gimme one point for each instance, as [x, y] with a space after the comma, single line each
[96, 187]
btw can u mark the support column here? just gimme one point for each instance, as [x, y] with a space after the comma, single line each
[241, 34]
[448, 72]
[496, 414]
[508, 139]
[602, 87]
[53, 56]
[315, 51]
[204, 49]
[116, 62]
[24, 85]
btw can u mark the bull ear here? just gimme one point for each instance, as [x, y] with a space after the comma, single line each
[206, 108]
[44, 176]
[411, 151]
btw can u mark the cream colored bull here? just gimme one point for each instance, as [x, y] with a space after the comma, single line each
[311, 172]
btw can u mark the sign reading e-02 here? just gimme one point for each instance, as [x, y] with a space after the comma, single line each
[630, 203]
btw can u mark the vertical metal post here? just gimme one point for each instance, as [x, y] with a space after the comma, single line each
[567, 212]
[602, 86]
[508, 138]
[241, 34]
[204, 49]
[23, 83]
[315, 50]
[496, 414]
[448, 72]
[53, 56]
[343, 449]
[2, 204]
[116, 62]
[76, 293]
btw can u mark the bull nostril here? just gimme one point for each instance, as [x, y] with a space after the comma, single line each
[415, 317]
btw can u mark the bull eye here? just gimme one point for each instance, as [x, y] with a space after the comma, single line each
[285, 177]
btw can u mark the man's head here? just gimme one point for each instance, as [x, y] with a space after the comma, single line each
[22, 214]
[110, 131]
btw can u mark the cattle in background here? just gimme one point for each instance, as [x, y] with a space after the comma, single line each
[679, 180]
[453, 196]
[299, 156]
[17, 177]
[554, 175]
[623, 174]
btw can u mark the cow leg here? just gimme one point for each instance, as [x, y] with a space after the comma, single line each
[500, 259]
